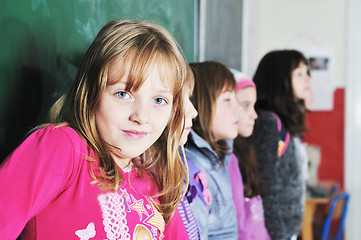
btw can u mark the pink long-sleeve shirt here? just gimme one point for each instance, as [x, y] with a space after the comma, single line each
[46, 193]
[250, 217]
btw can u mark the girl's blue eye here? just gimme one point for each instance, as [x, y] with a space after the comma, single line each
[160, 101]
[245, 106]
[123, 94]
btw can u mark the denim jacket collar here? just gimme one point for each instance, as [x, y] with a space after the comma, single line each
[200, 143]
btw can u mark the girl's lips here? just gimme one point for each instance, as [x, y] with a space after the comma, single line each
[134, 134]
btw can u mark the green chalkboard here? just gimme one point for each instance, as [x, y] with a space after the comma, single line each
[42, 43]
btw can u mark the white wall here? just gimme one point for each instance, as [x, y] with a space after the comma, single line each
[277, 24]
[353, 120]
[281, 24]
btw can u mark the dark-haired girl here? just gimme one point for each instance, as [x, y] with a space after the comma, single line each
[283, 84]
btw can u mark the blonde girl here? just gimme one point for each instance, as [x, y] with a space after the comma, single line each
[108, 163]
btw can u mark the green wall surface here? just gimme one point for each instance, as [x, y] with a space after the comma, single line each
[42, 43]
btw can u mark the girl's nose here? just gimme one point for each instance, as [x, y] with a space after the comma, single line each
[140, 113]
[254, 114]
[192, 112]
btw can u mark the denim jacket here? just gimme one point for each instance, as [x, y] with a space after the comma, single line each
[216, 220]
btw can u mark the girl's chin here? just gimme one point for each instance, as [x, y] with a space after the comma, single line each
[245, 134]
[184, 139]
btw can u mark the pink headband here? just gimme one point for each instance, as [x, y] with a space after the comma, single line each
[245, 82]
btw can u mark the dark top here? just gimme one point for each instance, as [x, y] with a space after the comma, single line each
[283, 201]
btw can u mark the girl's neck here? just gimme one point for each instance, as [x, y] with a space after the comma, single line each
[121, 162]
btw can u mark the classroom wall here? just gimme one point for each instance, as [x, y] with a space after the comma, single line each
[289, 23]
[42, 43]
[353, 116]
[319, 23]
[316, 24]
[329, 136]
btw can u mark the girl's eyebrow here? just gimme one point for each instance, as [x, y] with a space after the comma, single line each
[227, 90]
[119, 84]
[163, 90]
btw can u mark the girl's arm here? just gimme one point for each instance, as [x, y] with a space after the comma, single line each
[199, 205]
[266, 137]
[33, 175]
[235, 177]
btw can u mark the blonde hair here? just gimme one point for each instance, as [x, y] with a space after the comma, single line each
[189, 82]
[141, 45]
[211, 79]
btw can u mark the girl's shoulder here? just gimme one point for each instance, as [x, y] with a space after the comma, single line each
[60, 130]
[53, 141]
[198, 150]
[269, 118]
[267, 123]
[60, 135]
[269, 126]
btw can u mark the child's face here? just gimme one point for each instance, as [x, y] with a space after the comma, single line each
[225, 120]
[133, 121]
[301, 81]
[246, 98]
[309, 99]
[190, 114]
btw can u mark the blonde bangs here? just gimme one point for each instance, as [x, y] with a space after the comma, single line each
[169, 71]
[138, 66]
